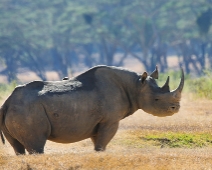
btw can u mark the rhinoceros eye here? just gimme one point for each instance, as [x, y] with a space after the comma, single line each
[156, 99]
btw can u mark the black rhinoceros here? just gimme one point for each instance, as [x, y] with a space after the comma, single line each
[87, 106]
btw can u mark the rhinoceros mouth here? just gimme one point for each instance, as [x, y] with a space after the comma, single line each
[172, 109]
[163, 114]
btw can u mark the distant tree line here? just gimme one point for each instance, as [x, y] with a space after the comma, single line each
[61, 34]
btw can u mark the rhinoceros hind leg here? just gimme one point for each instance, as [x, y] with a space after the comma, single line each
[105, 133]
[17, 146]
[39, 150]
[36, 146]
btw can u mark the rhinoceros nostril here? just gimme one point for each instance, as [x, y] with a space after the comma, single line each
[175, 107]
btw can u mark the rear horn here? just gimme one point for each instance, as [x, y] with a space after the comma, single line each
[166, 85]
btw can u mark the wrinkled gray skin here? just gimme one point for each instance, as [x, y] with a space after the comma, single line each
[87, 106]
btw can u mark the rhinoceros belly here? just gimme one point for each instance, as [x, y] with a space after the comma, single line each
[73, 116]
[68, 130]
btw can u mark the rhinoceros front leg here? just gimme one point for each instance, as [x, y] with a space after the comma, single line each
[105, 133]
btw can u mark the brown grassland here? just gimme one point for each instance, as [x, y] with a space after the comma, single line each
[130, 149]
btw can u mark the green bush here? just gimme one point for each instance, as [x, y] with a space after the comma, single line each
[202, 86]
[6, 89]
[185, 140]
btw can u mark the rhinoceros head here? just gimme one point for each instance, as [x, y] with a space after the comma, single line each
[159, 101]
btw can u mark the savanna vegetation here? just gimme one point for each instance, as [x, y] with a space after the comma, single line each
[68, 36]
[182, 141]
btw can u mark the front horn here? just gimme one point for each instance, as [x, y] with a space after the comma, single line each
[179, 89]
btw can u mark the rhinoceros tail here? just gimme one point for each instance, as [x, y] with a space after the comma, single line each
[1, 123]
[2, 138]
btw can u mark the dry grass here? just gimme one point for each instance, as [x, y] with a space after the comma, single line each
[195, 116]
[131, 159]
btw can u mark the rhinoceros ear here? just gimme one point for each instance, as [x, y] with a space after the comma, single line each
[143, 77]
[154, 74]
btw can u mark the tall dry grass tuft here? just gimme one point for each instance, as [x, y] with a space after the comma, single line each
[131, 159]
[3, 158]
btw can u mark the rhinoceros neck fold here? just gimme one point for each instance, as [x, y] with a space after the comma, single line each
[131, 94]
[125, 83]
[130, 82]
